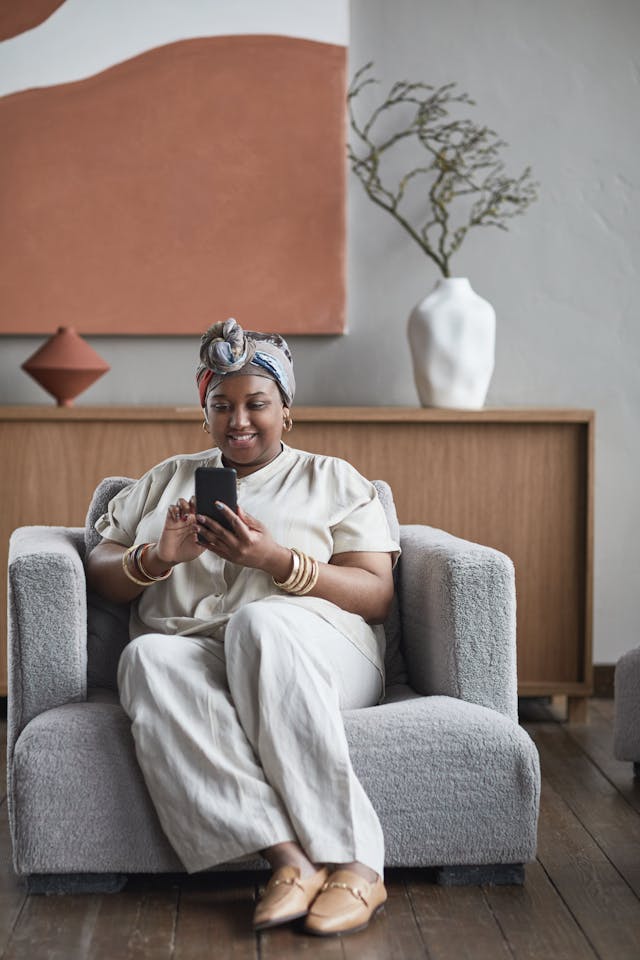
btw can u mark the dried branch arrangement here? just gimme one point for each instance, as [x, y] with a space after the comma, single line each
[462, 170]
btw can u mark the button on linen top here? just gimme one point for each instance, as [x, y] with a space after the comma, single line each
[319, 504]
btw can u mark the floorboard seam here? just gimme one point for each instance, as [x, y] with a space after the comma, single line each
[257, 940]
[584, 826]
[415, 918]
[15, 923]
[601, 771]
[568, 908]
[497, 922]
[596, 705]
[174, 931]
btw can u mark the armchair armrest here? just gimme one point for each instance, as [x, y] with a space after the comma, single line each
[458, 609]
[47, 609]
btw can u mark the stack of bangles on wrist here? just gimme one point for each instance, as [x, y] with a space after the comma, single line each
[303, 577]
[133, 566]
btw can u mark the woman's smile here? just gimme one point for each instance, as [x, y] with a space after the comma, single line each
[245, 416]
[241, 440]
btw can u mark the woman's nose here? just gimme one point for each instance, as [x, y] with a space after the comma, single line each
[239, 417]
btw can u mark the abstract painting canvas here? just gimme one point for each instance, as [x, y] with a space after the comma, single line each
[166, 165]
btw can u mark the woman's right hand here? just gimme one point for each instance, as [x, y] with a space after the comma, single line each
[178, 542]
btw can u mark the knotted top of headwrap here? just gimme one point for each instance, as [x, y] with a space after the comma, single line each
[228, 350]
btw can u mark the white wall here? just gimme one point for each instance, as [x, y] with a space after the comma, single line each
[84, 37]
[559, 80]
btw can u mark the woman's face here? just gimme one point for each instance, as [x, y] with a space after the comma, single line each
[245, 417]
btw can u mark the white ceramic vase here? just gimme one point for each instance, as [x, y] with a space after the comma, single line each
[452, 335]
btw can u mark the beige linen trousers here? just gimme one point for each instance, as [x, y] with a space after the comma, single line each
[241, 741]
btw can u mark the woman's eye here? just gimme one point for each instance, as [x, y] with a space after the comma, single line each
[220, 407]
[256, 406]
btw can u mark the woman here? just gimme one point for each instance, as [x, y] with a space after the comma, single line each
[247, 644]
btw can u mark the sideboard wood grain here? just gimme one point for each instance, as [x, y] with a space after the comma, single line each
[520, 480]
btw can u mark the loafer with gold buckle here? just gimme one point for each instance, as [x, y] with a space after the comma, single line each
[287, 896]
[345, 904]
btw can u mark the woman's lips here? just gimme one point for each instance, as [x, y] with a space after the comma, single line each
[241, 440]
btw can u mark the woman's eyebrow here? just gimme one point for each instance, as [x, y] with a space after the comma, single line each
[223, 396]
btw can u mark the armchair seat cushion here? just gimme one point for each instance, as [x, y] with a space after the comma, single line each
[452, 782]
[80, 800]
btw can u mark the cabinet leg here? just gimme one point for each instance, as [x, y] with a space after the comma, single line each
[559, 706]
[577, 709]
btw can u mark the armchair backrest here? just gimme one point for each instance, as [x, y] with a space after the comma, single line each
[108, 623]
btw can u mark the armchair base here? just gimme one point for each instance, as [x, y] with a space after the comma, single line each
[59, 884]
[63, 883]
[493, 874]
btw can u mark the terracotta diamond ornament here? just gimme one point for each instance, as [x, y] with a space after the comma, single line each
[65, 366]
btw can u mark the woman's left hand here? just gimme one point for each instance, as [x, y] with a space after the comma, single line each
[359, 582]
[248, 543]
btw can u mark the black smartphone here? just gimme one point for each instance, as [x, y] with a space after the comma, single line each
[216, 483]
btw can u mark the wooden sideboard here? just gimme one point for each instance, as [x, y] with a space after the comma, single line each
[520, 480]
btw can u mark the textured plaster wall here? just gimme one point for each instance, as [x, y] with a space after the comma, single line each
[560, 81]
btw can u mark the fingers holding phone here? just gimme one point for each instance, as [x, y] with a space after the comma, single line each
[224, 527]
[248, 543]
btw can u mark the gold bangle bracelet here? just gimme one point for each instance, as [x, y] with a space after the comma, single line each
[144, 572]
[303, 577]
[125, 567]
[313, 579]
[296, 570]
[286, 584]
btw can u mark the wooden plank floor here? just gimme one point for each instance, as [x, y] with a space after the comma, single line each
[581, 898]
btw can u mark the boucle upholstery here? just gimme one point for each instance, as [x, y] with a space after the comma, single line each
[627, 707]
[452, 776]
[463, 601]
[452, 783]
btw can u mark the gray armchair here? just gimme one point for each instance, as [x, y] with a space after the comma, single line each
[452, 776]
[626, 728]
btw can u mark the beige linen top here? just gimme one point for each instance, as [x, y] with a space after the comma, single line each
[319, 504]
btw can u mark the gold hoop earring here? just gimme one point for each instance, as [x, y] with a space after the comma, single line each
[287, 422]
[205, 426]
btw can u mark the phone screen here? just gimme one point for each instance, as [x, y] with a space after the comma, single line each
[216, 483]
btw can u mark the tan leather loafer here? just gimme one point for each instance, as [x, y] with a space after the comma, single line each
[345, 904]
[287, 897]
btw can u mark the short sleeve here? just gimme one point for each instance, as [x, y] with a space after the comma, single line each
[126, 510]
[362, 524]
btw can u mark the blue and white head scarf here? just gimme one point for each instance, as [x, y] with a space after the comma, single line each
[228, 350]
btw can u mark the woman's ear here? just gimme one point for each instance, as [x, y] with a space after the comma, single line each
[287, 421]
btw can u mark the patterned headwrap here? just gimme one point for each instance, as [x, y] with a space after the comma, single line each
[228, 350]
